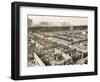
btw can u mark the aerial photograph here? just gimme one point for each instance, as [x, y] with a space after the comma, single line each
[57, 40]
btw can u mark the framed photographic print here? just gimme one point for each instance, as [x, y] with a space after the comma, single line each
[53, 40]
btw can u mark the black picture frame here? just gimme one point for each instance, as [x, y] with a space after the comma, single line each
[15, 40]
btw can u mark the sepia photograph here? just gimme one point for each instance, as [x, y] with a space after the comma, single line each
[57, 40]
[53, 40]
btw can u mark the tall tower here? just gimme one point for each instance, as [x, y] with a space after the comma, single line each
[29, 22]
[71, 27]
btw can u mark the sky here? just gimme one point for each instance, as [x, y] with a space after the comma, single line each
[58, 20]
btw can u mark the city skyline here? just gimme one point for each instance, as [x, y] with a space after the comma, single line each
[58, 21]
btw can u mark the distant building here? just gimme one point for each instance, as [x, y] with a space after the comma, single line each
[52, 24]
